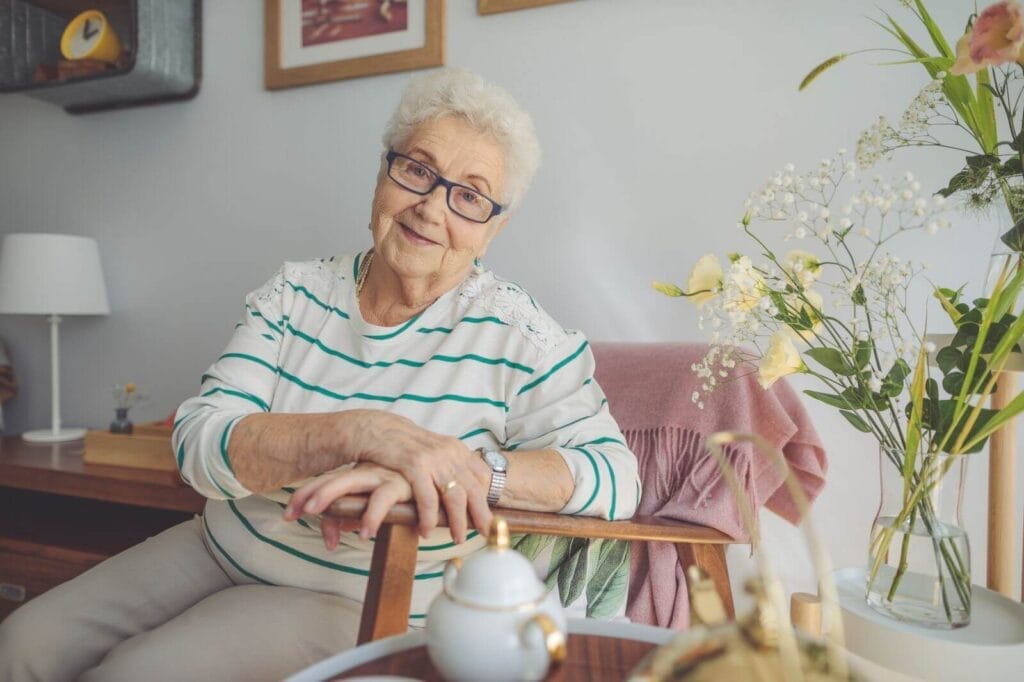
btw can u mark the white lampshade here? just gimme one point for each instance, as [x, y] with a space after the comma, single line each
[51, 274]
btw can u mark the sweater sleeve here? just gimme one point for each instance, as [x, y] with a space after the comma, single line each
[560, 406]
[239, 383]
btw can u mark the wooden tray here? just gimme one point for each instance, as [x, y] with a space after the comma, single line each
[149, 447]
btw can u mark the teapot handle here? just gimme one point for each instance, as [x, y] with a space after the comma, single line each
[554, 639]
[450, 569]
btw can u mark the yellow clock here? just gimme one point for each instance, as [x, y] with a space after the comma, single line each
[90, 36]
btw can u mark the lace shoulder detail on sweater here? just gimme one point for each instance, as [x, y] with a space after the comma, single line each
[512, 305]
[317, 276]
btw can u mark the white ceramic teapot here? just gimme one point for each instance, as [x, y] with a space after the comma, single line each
[494, 619]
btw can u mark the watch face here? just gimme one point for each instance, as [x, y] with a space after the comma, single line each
[495, 460]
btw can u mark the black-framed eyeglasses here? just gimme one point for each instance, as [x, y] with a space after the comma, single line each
[420, 179]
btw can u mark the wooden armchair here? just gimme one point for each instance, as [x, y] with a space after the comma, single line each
[649, 388]
[389, 591]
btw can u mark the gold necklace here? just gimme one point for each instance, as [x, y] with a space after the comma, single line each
[364, 270]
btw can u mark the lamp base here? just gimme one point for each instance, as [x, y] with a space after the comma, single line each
[48, 436]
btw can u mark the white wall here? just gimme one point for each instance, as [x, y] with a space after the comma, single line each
[657, 118]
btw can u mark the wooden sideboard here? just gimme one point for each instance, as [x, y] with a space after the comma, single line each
[60, 516]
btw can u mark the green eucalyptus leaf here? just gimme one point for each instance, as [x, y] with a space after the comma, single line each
[953, 382]
[834, 400]
[856, 421]
[980, 161]
[995, 334]
[832, 360]
[1011, 167]
[965, 335]
[972, 316]
[947, 358]
[951, 295]
[847, 400]
[1014, 237]
[931, 389]
[892, 384]
[985, 415]
[968, 178]
[1018, 142]
[862, 351]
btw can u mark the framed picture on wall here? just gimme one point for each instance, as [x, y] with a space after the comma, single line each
[495, 6]
[314, 41]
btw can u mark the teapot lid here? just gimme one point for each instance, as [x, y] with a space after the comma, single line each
[497, 576]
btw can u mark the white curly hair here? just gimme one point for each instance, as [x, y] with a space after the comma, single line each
[488, 108]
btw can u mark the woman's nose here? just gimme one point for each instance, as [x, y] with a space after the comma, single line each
[434, 204]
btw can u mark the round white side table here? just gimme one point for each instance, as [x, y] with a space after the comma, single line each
[991, 648]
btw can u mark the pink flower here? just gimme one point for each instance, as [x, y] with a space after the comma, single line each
[996, 38]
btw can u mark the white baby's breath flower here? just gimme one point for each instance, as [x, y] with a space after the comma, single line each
[802, 266]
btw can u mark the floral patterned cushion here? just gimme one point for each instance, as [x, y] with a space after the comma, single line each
[590, 575]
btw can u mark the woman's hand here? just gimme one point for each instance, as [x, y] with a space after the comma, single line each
[386, 487]
[438, 468]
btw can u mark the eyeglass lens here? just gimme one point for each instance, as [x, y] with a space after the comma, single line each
[418, 178]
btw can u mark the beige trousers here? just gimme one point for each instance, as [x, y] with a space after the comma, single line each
[166, 610]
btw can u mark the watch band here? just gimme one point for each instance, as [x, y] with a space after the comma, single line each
[498, 474]
[496, 488]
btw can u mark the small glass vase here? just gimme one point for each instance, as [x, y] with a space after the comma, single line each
[919, 557]
[121, 423]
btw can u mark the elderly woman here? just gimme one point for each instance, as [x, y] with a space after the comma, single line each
[406, 372]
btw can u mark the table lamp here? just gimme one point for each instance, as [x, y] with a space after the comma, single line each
[54, 275]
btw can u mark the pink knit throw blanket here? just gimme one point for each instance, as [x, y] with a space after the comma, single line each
[649, 389]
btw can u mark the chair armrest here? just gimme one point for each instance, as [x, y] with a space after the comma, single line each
[550, 523]
[389, 589]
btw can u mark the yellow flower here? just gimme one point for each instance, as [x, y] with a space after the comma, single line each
[781, 359]
[705, 279]
[129, 388]
[802, 266]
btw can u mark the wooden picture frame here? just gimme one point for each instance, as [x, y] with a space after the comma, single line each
[297, 52]
[495, 6]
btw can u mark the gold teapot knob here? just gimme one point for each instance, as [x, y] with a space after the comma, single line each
[498, 537]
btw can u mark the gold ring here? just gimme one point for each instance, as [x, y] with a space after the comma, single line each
[449, 486]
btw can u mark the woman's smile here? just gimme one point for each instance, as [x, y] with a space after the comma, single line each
[415, 237]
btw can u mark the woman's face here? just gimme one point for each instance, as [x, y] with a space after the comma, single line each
[420, 237]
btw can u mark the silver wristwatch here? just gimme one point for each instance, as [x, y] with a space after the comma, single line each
[499, 470]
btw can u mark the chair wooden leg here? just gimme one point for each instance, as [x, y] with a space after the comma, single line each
[389, 592]
[711, 558]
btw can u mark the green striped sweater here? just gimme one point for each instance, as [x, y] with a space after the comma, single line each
[484, 363]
